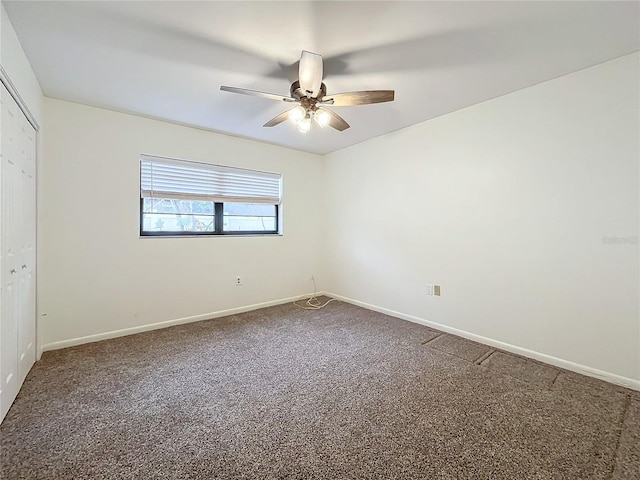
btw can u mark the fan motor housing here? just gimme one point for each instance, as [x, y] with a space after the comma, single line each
[299, 94]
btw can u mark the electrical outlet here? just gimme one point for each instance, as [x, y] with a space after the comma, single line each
[436, 290]
[238, 281]
[429, 288]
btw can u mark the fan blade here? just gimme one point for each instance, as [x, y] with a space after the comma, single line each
[310, 73]
[337, 121]
[359, 98]
[278, 119]
[256, 93]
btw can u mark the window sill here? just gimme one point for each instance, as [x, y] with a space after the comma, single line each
[234, 235]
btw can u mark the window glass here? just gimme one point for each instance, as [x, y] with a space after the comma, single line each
[170, 215]
[249, 217]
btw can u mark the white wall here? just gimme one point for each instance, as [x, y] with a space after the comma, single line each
[98, 276]
[505, 205]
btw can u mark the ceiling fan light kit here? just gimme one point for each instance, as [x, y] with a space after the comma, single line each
[303, 120]
[310, 95]
[322, 117]
[304, 125]
[296, 114]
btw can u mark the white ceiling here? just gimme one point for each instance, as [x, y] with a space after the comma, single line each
[167, 60]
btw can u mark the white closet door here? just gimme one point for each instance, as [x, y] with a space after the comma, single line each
[8, 272]
[17, 249]
[27, 245]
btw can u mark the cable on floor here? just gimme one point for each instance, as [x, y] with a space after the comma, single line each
[313, 303]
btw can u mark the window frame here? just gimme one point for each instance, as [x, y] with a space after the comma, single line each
[218, 225]
[218, 212]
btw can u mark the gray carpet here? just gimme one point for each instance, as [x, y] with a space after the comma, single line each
[339, 393]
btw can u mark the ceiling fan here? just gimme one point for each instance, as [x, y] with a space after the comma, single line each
[310, 96]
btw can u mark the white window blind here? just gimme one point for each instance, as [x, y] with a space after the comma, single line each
[180, 179]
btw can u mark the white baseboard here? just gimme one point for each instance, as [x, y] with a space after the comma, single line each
[168, 323]
[558, 362]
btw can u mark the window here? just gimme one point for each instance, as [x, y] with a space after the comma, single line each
[179, 197]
